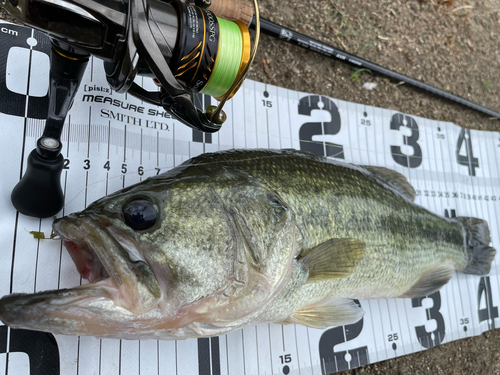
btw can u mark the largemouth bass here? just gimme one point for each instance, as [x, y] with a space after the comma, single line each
[237, 238]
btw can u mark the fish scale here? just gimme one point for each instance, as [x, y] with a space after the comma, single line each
[330, 199]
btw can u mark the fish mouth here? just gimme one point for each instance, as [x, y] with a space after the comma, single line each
[85, 240]
[114, 297]
[87, 263]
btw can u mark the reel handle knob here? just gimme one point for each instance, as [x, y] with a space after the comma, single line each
[233, 10]
[39, 192]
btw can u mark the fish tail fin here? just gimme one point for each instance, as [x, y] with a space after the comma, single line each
[479, 253]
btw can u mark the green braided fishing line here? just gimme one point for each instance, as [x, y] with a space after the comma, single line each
[228, 59]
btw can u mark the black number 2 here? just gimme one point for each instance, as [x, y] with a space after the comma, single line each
[306, 105]
[335, 361]
[413, 161]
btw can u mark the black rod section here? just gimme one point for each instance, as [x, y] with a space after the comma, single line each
[280, 32]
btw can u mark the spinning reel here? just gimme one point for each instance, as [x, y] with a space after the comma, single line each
[184, 48]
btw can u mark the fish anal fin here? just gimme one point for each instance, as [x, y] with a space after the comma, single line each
[327, 313]
[334, 258]
[430, 281]
[394, 179]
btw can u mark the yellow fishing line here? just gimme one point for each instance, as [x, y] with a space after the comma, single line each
[228, 59]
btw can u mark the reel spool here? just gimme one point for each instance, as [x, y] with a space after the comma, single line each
[185, 48]
[208, 59]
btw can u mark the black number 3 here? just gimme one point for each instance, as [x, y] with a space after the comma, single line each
[424, 337]
[413, 161]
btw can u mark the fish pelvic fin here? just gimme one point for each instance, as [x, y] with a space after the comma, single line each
[327, 313]
[431, 281]
[334, 258]
[393, 179]
[479, 254]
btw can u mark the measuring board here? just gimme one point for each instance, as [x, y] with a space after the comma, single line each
[113, 140]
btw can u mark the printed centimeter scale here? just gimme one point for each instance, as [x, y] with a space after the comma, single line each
[308, 130]
[337, 335]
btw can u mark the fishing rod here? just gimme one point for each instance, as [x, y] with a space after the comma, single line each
[282, 33]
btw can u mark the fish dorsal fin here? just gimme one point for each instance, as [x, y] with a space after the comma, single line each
[395, 180]
[430, 281]
[334, 258]
[327, 313]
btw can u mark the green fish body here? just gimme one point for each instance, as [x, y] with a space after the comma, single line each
[235, 238]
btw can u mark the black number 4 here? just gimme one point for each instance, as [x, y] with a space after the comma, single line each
[490, 312]
[468, 160]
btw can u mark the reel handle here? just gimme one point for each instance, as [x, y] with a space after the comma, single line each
[233, 10]
[39, 192]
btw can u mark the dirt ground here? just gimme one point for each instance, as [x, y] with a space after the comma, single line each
[454, 46]
[451, 44]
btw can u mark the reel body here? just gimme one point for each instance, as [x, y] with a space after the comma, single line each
[176, 43]
[185, 48]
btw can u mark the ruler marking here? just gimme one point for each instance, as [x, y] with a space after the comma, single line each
[478, 211]
[100, 355]
[215, 355]
[442, 213]
[243, 352]
[267, 119]
[124, 153]
[257, 349]
[309, 344]
[496, 215]
[37, 255]
[270, 346]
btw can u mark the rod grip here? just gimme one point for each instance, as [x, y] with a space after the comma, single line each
[233, 10]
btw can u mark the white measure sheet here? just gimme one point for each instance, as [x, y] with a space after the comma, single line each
[112, 140]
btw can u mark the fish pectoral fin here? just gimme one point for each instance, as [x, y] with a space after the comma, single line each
[430, 281]
[394, 179]
[327, 313]
[334, 258]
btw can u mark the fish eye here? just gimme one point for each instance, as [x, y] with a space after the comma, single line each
[140, 214]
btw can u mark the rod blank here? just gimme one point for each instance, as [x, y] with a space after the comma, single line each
[280, 32]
